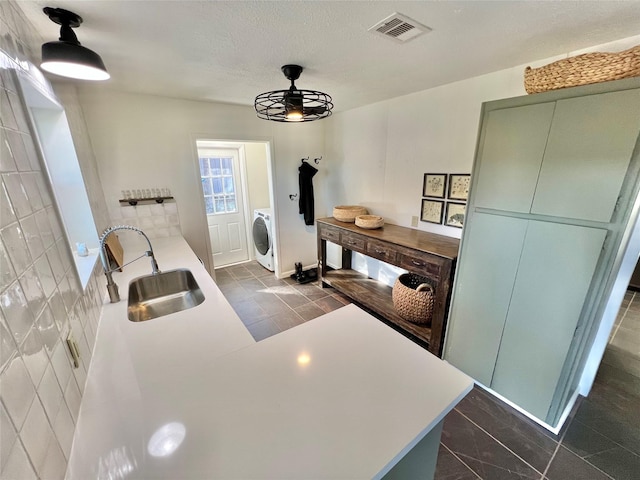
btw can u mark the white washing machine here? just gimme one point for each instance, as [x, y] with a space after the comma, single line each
[262, 237]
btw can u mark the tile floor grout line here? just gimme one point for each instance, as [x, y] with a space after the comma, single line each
[461, 461]
[626, 310]
[617, 444]
[500, 443]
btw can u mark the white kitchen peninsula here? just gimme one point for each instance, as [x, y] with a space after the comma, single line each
[192, 396]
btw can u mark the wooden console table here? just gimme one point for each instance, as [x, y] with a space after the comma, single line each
[427, 254]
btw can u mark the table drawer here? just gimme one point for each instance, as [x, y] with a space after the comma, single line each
[353, 241]
[331, 234]
[420, 264]
[381, 251]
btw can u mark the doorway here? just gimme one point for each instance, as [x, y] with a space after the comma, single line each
[235, 180]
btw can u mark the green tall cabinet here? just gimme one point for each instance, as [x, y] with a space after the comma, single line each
[553, 185]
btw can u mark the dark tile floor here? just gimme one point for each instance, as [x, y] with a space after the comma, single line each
[482, 437]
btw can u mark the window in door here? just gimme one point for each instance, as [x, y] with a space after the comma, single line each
[218, 185]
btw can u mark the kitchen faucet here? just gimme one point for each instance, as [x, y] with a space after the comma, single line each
[112, 287]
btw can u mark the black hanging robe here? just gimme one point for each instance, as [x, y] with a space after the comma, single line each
[305, 204]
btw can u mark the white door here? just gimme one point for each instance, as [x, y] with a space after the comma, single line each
[223, 200]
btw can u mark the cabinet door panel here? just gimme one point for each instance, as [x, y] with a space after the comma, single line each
[484, 282]
[588, 152]
[511, 155]
[557, 265]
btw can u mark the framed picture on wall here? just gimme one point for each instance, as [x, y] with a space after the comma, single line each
[459, 186]
[434, 185]
[432, 211]
[454, 216]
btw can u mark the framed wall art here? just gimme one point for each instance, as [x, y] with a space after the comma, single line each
[434, 185]
[432, 211]
[454, 216]
[459, 186]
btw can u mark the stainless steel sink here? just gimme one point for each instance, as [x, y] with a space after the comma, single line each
[154, 296]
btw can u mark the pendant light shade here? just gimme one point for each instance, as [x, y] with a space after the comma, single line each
[67, 57]
[293, 105]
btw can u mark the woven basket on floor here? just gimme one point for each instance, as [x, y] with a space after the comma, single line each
[583, 70]
[413, 298]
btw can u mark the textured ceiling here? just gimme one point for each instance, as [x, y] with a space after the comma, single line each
[230, 51]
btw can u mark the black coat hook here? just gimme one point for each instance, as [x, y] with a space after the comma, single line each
[293, 196]
[317, 160]
[304, 159]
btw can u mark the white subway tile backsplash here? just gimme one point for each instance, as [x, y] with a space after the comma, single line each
[18, 464]
[50, 393]
[48, 330]
[7, 274]
[7, 213]
[8, 436]
[30, 150]
[63, 428]
[37, 280]
[6, 157]
[34, 356]
[65, 253]
[33, 191]
[44, 228]
[55, 464]
[45, 275]
[45, 193]
[36, 434]
[61, 362]
[128, 212]
[16, 312]
[16, 246]
[18, 391]
[146, 223]
[55, 263]
[19, 153]
[18, 194]
[58, 309]
[143, 210]
[18, 112]
[32, 236]
[56, 227]
[8, 347]
[72, 397]
[32, 291]
[7, 117]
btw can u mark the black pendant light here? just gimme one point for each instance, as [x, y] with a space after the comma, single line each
[293, 105]
[67, 57]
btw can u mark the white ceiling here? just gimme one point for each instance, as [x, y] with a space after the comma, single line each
[230, 51]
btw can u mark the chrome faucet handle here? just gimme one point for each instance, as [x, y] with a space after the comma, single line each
[112, 287]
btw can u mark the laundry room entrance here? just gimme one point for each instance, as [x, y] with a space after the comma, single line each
[235, 179]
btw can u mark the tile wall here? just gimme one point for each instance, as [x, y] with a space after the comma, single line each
[157, 220]
[41, 300]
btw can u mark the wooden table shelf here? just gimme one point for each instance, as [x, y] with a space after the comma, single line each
[423, 253]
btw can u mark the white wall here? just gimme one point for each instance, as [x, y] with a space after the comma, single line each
[379, 153]
[257, 175]
[143, 141]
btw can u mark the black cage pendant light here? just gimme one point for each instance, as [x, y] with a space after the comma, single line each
[293, 105]
[67, 57]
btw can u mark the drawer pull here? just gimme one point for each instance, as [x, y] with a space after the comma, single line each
[417, 264]
[377, 250]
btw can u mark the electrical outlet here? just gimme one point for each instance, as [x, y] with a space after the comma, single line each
[414, 221]
[74, 350]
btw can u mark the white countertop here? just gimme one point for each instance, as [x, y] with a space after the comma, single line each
[192, 396]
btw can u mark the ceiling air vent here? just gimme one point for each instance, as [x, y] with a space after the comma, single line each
[399, 28]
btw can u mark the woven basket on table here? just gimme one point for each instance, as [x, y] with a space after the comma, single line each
[413, 298]
[583, 70]
[348, 213]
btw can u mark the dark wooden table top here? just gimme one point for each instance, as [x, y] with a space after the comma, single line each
[443, 246]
